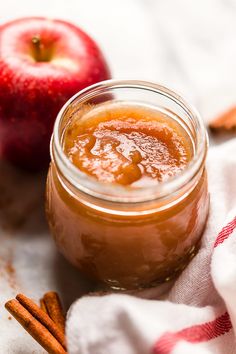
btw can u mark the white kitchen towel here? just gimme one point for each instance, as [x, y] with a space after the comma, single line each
[197, 313]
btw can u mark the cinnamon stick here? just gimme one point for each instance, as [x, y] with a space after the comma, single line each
[224, 122]
[54, 308]
[43, 306]
[36, 329]
[43, 318]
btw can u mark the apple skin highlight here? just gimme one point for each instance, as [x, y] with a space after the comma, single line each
[43, 63]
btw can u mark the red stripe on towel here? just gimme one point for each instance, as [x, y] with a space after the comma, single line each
[195, 334]
[225, 232]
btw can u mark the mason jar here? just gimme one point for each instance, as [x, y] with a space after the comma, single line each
[128, 238]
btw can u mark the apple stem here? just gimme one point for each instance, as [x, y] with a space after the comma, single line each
[36, 40]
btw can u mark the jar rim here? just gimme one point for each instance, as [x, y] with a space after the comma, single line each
[117, 193]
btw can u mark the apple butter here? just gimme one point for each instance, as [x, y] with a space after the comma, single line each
[127, 197]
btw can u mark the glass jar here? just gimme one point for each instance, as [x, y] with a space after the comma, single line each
[128, 238]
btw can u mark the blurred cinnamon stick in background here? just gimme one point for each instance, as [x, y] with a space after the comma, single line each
[224, 122]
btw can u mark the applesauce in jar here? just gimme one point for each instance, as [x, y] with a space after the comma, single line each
[127, 197]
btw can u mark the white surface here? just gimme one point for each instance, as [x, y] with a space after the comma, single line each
[187, 44]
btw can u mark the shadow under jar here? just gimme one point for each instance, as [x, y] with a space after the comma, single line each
[127, 196]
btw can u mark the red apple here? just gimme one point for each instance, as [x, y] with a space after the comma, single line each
[43, 62]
